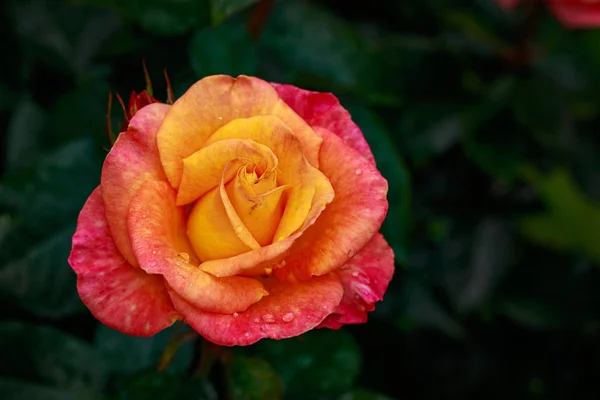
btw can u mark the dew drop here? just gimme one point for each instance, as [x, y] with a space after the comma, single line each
[235, 315]
[289, 317]
[350, 253]
[247, 334]
[355, 274]
[185, 257]
[265, 328]
[153, 251]
[268, 271]
[268, 318]
[239, 229]
[358, 171]
[221, 118]
[281, 264]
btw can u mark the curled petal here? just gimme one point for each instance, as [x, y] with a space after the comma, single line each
[293, 169]
[324, 110]
[349, 221]
[157, 230]
[215, 101]
[120, 296]
[289, 310]
[203, 170]
[133, 159]
[365, 279]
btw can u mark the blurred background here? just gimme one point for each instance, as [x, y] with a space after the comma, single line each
[485, 123]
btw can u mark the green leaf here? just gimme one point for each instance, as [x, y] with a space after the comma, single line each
[319, 362]
[325, 50]
[220, 10]
[50, 357]
[42, 281]
[252, 378]
[160, 17]
[389, 162]
[361, 394]
[23, 133]
[43, 204]
[571, 221]
[223, 50]
[18, 390]
[129, 354]
[429, 130]
[165, 386]
[422, 310]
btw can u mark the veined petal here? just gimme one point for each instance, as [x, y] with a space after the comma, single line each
[157, 230]
[365, 279]
[324, 110]
[289, 310]
[349, 222]
[215, 101]
[294, 170]
[119, 295]
[132, 159]
[203, 170]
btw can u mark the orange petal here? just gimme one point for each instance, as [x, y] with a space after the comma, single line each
[215, 101]
[120, 296]
[258, 202]
[133, 159]
[293, 169]
[203, 170]
[157, 230]
[290, 310]
[349, 221]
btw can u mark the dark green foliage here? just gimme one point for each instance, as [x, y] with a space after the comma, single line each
[489, 141]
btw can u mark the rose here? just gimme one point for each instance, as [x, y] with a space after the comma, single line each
[246, 209]
[571, 13]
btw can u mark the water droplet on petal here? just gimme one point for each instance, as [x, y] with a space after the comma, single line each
[350, 252]
[247, 334]
[235, 315]
[281, 264]
[185, 257]
[358, 171]
[289, 317]
[355, 274]
[268, 318]
[264, 327]
[268, 271]
[239, 229]
[153, 251]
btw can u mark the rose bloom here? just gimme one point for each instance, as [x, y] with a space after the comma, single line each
[571, 13]
[246, 209]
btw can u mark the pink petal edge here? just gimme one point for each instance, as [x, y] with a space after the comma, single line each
[365, 279]
[289, 310]
[324, 110]
[122, 297]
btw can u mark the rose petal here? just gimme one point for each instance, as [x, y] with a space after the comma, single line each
[581, 14]
[306, 182]
[365, 279]
[120, 296]
[215, 101]
[203, 170]
[508, 4]
[324, 110]
[157, 231]
[132, 159]
[259, 212]
[289, 310]
[349, 222]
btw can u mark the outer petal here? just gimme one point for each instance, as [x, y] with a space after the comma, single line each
[324, 110]
[119, 295]
[215, 101]
[349, 222]
[365, 279]
[577, 14]
[290, 310]
[157, 229]
[133, 159]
